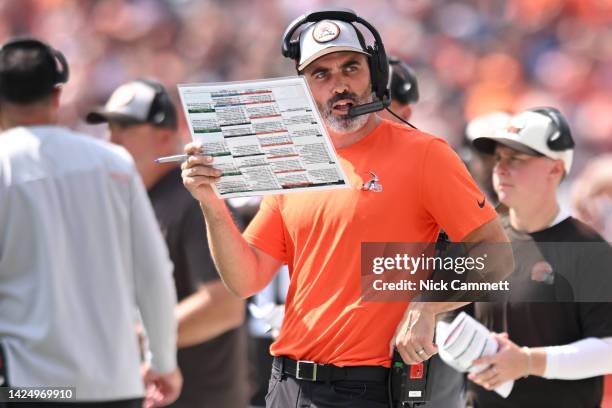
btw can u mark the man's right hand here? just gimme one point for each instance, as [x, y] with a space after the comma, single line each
[198, 173]
[161, 389]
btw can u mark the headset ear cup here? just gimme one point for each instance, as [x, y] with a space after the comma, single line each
[63, 72]
[373, 65]
[564, 141]
[383, 66]
[379, 72]
[561, 140]
[294, 49]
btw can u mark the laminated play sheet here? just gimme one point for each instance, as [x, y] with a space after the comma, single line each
[265, 136]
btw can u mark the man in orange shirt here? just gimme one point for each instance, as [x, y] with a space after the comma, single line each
[333, 348]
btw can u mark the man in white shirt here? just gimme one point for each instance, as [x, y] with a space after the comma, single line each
[80, 250]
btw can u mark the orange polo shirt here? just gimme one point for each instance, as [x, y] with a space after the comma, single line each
[318, 235]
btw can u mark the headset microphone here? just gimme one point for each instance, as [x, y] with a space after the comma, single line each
[368, 107]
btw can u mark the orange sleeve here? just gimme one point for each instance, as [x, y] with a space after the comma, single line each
[450, 194]
[266, 230]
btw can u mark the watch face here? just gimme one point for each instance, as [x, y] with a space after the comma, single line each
[325, 31]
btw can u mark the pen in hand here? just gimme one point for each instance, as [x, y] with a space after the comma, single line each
[178, 157]
[175, 158]
[171, 159]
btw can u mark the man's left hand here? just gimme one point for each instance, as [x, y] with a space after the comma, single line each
[414, 335]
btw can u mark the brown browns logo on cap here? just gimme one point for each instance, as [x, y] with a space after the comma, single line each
[325, 31]
[514, 129]
[516, 126]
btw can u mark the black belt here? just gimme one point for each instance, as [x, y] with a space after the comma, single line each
[310, 371]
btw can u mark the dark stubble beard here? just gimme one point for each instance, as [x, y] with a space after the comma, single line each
[345, 123]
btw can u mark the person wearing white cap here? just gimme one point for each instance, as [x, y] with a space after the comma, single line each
[556, 327]
[142, 118]
[334, 347]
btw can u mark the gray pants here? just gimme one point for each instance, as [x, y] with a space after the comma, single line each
[447, 385]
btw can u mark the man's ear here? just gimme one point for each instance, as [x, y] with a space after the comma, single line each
[405, 111]
[165, 136]
[558, 170]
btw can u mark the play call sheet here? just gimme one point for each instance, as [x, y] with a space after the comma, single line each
[266, 136]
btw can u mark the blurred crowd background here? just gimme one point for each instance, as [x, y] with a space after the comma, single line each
[470, 56]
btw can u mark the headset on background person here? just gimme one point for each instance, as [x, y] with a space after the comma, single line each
[403, 83]
[561, 138]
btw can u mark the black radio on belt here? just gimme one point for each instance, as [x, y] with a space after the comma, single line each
[408, 383]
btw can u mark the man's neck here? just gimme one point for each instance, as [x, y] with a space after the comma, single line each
[534, 218]
[342, 140]
[11, 117]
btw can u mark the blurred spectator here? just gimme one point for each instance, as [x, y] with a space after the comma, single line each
[592, 195]
[503, 55]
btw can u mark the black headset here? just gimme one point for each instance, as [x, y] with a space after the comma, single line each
[55, 57]
[404, 86]
[561, 139]
[162, 111]
[377, 58]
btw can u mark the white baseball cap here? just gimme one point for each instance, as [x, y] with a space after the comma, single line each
[327, 36]
[487, 124]
[137, 102]
[533, 132]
